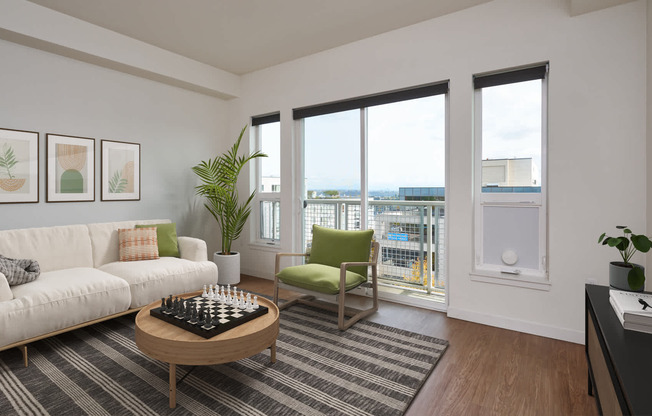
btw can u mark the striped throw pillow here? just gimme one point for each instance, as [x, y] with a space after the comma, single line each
[138, 244]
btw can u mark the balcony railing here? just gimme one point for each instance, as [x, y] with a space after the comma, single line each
[410, 233]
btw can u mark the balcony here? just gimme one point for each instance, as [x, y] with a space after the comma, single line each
[410, 233]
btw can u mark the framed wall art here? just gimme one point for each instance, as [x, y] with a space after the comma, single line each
[120, 171]
[19, 166]
[70, 168]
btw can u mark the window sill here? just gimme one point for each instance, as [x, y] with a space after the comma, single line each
[275, 247]
[522, 280]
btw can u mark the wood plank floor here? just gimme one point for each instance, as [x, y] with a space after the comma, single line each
[486, 370]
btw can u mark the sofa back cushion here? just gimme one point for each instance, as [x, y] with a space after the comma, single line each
[54, 248]
[104, 238]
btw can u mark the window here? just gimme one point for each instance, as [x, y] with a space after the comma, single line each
[362, 157]
[510, 140]
[267, 138]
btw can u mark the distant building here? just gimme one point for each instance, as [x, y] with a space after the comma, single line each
[270, 184]
[422, 193]
[509, 172]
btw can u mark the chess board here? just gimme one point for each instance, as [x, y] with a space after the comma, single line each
[223, 317]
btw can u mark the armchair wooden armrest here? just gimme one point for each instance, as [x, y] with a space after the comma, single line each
[277, 268]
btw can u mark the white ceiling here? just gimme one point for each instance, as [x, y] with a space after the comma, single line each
[241, 36]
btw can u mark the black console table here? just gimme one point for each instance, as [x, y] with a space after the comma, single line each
[619, 360]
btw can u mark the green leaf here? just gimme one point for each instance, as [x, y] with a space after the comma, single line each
[620, 227]
[636, 278]
[601, 237]
[117, 184]
[642, 243]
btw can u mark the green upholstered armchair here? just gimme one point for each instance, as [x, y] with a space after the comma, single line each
[338, 262]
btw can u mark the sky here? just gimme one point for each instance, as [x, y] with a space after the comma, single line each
[406, 140]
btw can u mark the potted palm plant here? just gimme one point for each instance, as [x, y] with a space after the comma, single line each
[623, 274]
[219, 177]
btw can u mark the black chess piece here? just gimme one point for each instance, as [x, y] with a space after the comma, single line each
[163, 306]
[169, 302]
[208, 320]
[200, 317]
[180, 310]
[216, 320]
[193, 317]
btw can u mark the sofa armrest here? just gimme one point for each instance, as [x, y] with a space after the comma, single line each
[194, 249]
[5, 289]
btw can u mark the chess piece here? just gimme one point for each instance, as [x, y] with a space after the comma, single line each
[222, 296]
[193, 317]
[163, 306]
[211, 294]
[207, 321]
[168, 303]
[228, 290]
[200, 317]
[204, 293]
[255, 305]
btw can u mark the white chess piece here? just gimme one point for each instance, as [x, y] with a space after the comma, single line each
[211, 294]
[222, 296]
[228, 290]
[204, 293]
[255, 305]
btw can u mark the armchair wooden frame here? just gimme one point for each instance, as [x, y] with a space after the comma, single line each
[340, 308]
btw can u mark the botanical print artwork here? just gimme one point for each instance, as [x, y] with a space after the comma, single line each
[121, 171]
[70, 169]
[14, 166]
[18, 166]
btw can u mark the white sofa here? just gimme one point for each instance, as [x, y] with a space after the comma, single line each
[82, 280]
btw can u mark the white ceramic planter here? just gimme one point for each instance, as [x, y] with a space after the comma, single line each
[228, 268]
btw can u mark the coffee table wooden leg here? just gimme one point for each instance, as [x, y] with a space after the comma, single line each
[273, 352]
[173, 385]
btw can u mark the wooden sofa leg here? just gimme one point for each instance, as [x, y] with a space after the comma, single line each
[23, 349]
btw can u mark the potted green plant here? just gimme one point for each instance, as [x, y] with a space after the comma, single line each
[219, 177]
[623, 274]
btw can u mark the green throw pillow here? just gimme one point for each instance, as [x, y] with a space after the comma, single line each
[168, 246]
[333, 247]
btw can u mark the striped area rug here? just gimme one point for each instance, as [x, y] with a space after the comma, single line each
[370, 369]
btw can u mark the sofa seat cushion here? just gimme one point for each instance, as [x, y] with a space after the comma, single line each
[60, 299]
[151, 280]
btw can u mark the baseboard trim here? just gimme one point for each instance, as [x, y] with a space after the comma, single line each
[518, 325]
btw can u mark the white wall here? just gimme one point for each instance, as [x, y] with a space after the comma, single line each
[176, 129]
[597, 136]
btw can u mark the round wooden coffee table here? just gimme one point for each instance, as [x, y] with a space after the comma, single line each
[163, 341]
